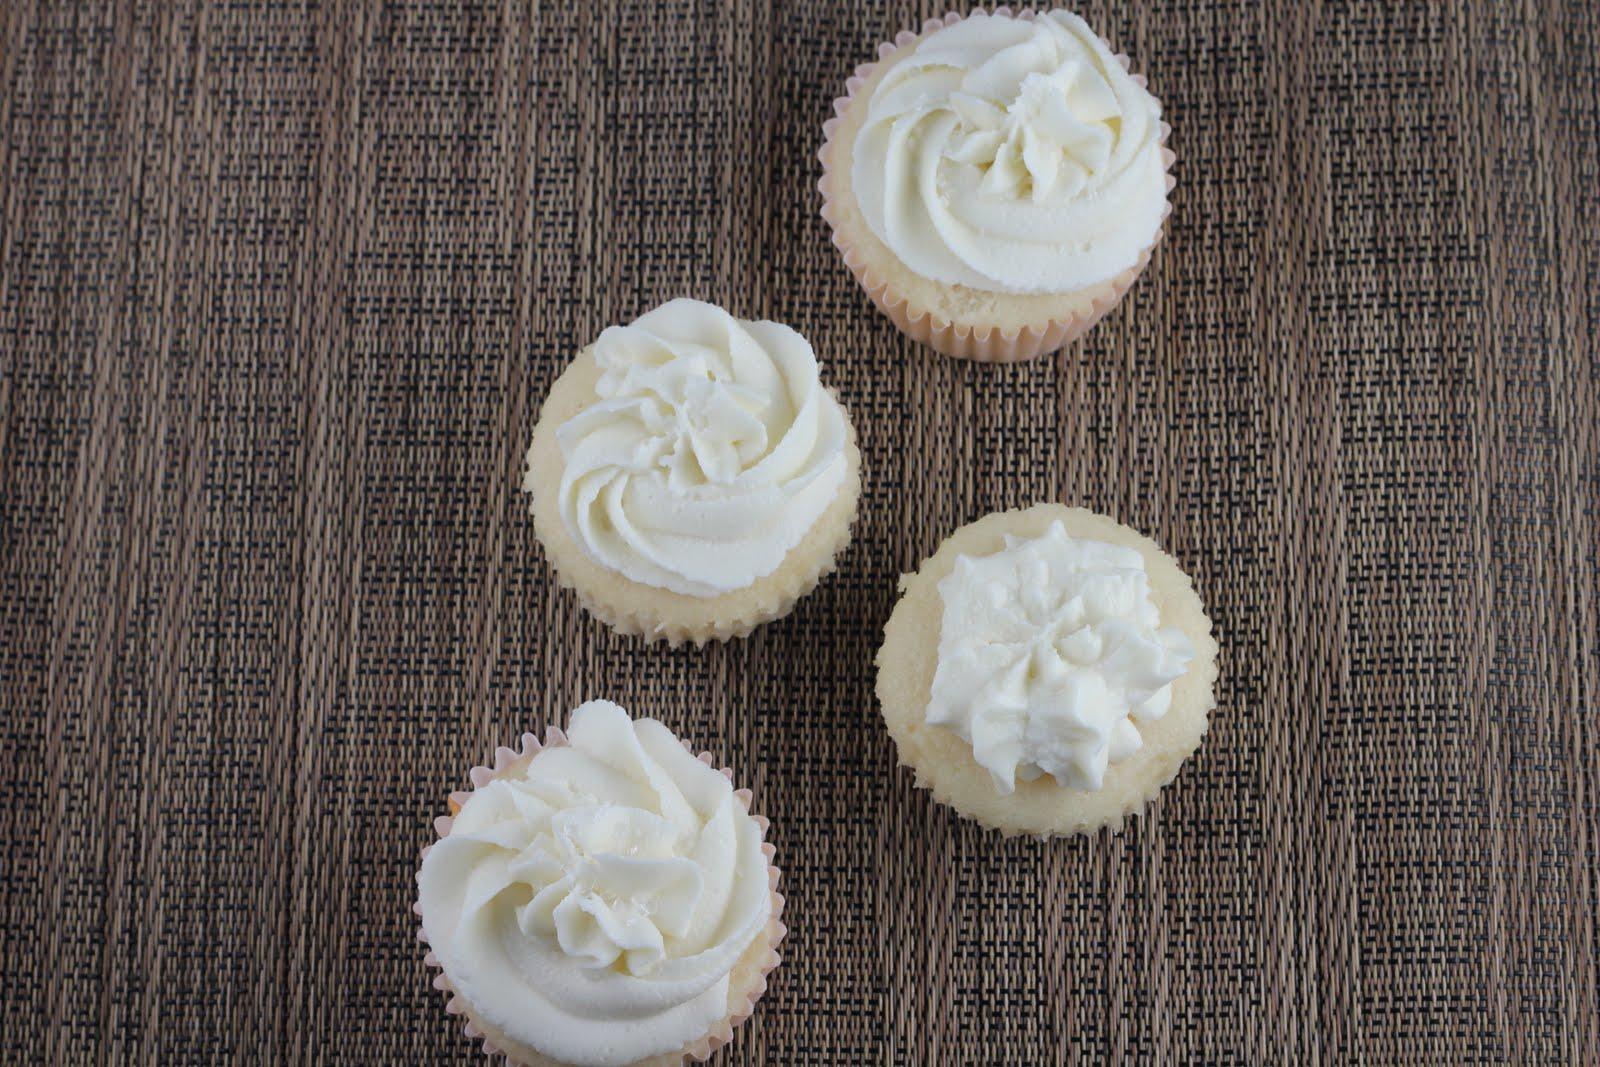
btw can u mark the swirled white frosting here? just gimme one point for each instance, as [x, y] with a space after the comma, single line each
[1012, 155]
[1051, 653]
[592, 905]
[711, 452]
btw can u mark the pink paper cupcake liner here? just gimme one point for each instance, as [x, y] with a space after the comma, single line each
[506, 760]
[989, 345]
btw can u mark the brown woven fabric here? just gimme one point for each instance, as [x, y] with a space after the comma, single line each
[281, 287]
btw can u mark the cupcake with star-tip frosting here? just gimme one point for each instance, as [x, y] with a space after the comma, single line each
[1047, 671]
[602, 899]
[996, 182]
[691, 477]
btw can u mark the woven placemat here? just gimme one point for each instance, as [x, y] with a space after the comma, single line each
[282, 285]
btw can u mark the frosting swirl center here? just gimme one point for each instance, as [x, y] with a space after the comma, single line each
[609, 883]
[1048, 142]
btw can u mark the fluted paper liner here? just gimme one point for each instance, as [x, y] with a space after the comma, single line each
[943, 762]
[507, 760]
[653, 614]
[964, 341]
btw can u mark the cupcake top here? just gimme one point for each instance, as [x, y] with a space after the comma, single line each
[1012, 155]
[711, 452]
[592, 903]
[1051, 653]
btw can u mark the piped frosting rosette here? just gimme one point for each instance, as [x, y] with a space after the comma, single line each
[1051, 656]
[712, 450]
[604, 898]
[1004, 181]
[691, 476]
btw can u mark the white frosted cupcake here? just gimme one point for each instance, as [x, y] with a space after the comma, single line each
[691, 477]
[603, 899]
[996, 183]
[1047, 671]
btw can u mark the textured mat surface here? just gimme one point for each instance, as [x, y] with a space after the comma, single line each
[282, 285]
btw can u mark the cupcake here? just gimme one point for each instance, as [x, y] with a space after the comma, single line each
[996, 183]
[603, 899]
[691, 477]
[1047, 671]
